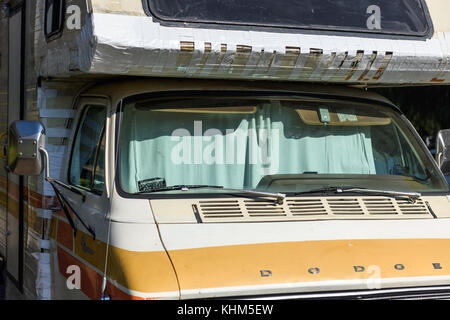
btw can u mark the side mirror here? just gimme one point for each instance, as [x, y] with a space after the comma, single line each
[443, 151]
[26, 142]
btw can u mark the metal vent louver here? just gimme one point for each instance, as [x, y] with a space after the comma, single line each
[306, 207]
[380, 206]
[419, 207]
[310, 208]
[220, 209]
[259, 208]
[349, 206]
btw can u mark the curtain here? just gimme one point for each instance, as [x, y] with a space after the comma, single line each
[236, 150]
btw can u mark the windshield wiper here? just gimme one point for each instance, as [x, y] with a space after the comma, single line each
[279, 197]
[412, 196]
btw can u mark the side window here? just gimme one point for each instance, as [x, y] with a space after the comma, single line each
[54, 17]
[413, 166]
[87, 164]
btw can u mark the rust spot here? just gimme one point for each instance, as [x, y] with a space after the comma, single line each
[384, 65]
[293, 50]
[343, 60]
[243, 49]
[437, 80]
[378, 74]
[187, 46]
[368, 67]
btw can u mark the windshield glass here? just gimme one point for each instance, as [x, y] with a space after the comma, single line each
[271, 144]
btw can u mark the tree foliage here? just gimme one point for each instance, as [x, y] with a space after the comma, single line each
[428, 108]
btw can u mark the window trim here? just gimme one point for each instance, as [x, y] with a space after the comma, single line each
[97, 153]
[85, 107]
[58, 32]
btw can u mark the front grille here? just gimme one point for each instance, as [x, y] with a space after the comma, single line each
[415, 293]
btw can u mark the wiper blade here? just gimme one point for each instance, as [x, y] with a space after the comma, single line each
[279, 197]
[179, 187]
[412, 196]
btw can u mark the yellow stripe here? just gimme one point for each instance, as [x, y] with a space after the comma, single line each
[241, 265]
[139, 271]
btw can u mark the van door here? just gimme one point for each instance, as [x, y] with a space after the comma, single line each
[86, 167]
[85, 194]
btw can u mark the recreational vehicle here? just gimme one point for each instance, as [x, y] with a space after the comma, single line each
[155, 149]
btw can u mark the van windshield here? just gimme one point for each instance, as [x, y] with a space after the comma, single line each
[271, 144]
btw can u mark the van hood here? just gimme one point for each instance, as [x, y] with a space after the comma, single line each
[295, 258]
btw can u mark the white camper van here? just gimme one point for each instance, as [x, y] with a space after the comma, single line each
[158, 149]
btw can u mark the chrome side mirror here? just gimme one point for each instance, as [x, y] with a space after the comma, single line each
[443, 151]
[25, 148]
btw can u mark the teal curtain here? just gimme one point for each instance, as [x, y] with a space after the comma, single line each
[236, 150]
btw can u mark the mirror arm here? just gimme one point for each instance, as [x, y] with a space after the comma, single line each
[61, 198]
[47, 163]
[51, 180]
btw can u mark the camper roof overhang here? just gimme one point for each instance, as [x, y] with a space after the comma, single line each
[113, 43]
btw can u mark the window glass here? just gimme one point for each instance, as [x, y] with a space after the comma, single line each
[88, 153]
[241, 142]
[380, 16]
[54, 16]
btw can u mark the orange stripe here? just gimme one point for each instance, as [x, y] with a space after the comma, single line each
[140, 271]
[91, 281]
[35, 199]
[65, 235]
[53, 227]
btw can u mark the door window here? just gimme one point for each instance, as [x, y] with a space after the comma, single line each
[87, 162]
[54, 17]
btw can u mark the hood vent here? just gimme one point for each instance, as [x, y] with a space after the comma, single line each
[220, 209]
[306, 207]
[347, 206]
[417, 208]
[380, 206]
[258, 210]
